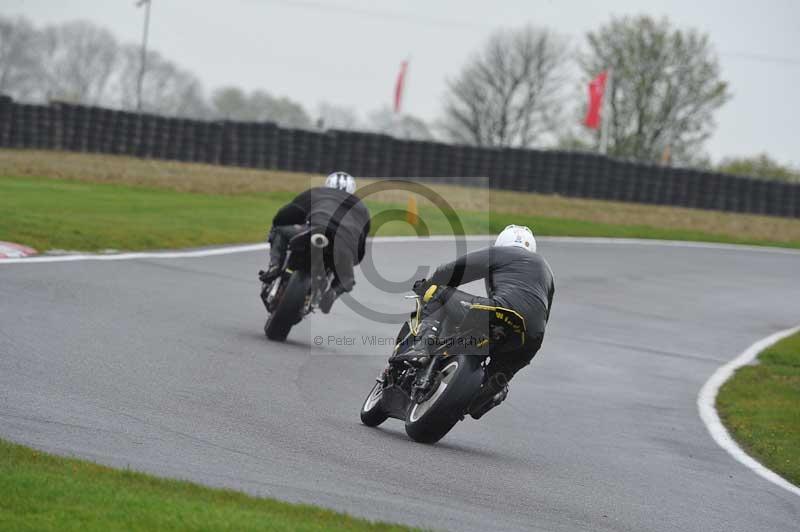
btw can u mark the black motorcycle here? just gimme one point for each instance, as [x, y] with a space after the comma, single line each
[432, 394]
[305, 275]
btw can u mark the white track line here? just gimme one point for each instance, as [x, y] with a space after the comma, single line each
[206, 252]
[228, 250]
[706, 401]
[669, 243]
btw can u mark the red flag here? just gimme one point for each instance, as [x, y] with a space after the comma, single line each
[597, 87]
[398, 87]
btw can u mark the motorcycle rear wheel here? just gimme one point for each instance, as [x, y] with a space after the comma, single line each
[288, 310]
[429, 420]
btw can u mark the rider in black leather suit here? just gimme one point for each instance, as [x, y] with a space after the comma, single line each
[516, 278]
[343, 218]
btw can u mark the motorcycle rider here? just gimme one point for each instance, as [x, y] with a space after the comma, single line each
[516, 278]
[344, 219]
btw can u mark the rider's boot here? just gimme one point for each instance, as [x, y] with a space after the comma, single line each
[276, 254]
[271, 273]
[491, 394]
[329, 296]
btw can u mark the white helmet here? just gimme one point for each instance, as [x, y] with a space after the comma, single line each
[517, 235]
[342, 181]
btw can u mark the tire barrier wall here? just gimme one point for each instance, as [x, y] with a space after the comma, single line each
[64, 126]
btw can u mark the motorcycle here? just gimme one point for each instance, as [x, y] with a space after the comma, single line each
[305, 275]
[432, 394]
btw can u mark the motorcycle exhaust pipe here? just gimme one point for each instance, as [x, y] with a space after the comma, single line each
[318, 240]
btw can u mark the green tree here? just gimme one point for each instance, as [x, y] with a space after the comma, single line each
[403, 126]
[665, 87]
[761, 166]
[232, 103]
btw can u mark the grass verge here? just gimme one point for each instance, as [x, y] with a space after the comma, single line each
[55, 214]
[760, 405]
[43, 492]
[58, 200]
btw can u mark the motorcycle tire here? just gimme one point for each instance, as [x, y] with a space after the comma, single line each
[429, 420]
[287, 311]
[372, 413]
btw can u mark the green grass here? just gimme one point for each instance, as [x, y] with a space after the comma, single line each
[760, 406]
[57, 214]
[47, 214]
[42, 492]
[494, 221]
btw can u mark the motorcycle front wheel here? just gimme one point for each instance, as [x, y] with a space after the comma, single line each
[372, 413]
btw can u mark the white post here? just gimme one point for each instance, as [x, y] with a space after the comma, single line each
[605, 115]
[143, 65]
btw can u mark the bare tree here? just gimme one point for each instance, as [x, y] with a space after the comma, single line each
[166, 89]
[83, 63]
[18, 59]
[666, 87]
[77, 60]
[507, 94]
[402, 126]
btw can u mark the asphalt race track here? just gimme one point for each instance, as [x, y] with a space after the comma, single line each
[161, 365]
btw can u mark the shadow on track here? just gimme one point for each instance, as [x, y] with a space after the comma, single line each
[442, 446]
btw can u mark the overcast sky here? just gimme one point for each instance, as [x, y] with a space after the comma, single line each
[348, 51]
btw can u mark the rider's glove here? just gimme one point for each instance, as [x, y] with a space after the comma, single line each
[420, 287]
